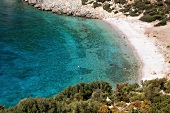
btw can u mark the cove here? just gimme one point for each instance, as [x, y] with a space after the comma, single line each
[42, 53]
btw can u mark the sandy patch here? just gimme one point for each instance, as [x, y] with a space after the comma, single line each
[145, 46]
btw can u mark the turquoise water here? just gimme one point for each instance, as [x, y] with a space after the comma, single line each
[42, 53]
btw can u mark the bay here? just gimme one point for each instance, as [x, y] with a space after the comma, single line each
[42, 53]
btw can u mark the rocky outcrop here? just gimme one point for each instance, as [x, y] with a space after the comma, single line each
[71, 7]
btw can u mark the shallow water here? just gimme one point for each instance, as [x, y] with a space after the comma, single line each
[42, 53]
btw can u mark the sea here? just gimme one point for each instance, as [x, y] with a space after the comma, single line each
[42, 53]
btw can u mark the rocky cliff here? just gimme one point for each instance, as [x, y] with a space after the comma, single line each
[148, 10]
[71, 7]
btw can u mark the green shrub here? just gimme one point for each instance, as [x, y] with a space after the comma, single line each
[124, 10]
[152, 88]
[37, 105]
[161, 105]
[158, 17]
[89, 106]
[106, 7]
[147, 18]
[152, 11]
[95, 4]
[120, 104]
[136, 96]
[167, 87]
[2, 107]
[159, 3]
[134, 14]
[147, 2]
[167, 2]
[102, 0]
[139, 5]
[91, 98]
[83, 2]
[120, 1]
[91, 2]
[123, 90]
[84, 91]
[116, 12]
[161, 23]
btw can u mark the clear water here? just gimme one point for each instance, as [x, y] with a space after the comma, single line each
[42, 53]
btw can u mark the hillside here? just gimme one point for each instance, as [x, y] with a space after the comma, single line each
[149, 11]
[99, 97]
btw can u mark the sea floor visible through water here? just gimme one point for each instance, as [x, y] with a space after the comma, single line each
[42, 53]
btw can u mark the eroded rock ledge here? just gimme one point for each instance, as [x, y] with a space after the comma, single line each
[71, 7]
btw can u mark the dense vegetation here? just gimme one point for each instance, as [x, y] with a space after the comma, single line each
[150, 11]
[99, 97]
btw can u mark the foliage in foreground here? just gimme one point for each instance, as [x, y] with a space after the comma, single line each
[98, 97]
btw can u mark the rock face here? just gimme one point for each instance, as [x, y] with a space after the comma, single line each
[71, 7]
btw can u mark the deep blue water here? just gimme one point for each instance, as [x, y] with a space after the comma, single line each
[42, 53]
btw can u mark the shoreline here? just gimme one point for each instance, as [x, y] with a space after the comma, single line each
[124, 38]
[151, 61]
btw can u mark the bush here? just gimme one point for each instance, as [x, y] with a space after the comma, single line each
[89, 106]
[136, 96]
[152, 88]
[120, 1]
[151, 12]
[139, 5]
[37, 105]
[161, 105]
[134, 14]
[84, 91]
[123, 90]
[102, 0]
[167, 87]
[124, 10]
[103, 109]
[120, 104]
[95, 4]
[167, 2]
[91, 2]
[161, 23]
[83, 2]
[159, 3]
[147, 18]
[91, 98]
[106, 7]
[158, 17]
[2, 108]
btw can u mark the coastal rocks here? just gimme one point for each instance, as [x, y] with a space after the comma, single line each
[71, 7]
[33, 1]
[75, 10]
[37, 5]
[47, 7]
